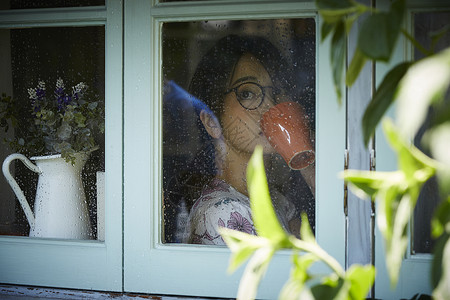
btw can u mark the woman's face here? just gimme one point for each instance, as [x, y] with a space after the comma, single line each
[241, 129]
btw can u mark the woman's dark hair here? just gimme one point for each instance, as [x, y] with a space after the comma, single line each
[212, 75]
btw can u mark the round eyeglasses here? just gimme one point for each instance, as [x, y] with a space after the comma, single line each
[250, 94]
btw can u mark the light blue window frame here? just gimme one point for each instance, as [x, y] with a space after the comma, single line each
[153, 267]
[72, 263]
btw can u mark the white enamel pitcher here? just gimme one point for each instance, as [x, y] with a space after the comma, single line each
[60, 208]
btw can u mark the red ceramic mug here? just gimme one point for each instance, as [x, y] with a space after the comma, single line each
[286, 127]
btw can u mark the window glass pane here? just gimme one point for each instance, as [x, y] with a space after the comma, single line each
[426, 25]
[52, 84]
[220, 77]
[20, 4]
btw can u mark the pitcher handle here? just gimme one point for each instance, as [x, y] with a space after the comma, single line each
[15, 187]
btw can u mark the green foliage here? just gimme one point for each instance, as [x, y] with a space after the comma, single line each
[339, 17]
[382, 100]
[440, 271]
[376, 39]
[379, 32]
[396, 194]
[417, 87]
[265, 220]
[338, 43]
[8, 112]
[423, 87]
[59, 122]
[302, 284]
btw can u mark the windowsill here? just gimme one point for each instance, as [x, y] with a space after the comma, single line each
[15, 292]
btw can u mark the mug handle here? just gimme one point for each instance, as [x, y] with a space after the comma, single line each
[15, 187]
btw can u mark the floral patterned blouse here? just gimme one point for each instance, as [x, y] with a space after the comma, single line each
[221, 205]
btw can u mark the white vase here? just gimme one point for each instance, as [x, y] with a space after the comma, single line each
[60, 207]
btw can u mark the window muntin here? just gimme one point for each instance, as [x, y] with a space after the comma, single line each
[188, 155]
[74, 54]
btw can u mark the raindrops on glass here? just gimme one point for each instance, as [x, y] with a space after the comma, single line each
[73, 53]
[187, 158]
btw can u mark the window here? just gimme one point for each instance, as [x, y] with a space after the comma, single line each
[151, 141]
[164, 43]
[54, 62]
[194, 152]
[77, 45]
[425, 24]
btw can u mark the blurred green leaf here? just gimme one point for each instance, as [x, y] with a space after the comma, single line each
[306, 233]
[441, 268]
[441, 113]
[412, 162]
[253, 273]
[425, 84]
[261, 248]
[380, 31]
[361, 279]
[397, 203]
[396, 194]
[356, 65]
[332, 288]
[396, 245]
[367, 183]
[295, 286]
[439, 140]
[440, 222]
[418, 47]
[326, 29]
[264, 217]
[437, 35]
[382, 100]
[335, 10]
[242, 246]
[338, 47]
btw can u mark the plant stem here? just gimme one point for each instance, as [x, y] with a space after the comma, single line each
[316, 250]
[416, 44]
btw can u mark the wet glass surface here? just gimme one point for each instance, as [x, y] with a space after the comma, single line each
[219, 78]
[76, 56]
[426, 28]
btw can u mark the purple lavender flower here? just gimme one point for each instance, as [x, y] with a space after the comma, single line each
[62, 99]
[37, 95]
[238, 222]
[78, 90]
[40, 93]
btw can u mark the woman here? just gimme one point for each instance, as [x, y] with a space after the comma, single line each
[239, 79]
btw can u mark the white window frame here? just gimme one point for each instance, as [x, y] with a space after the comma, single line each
[81, 264]
[152, 267]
